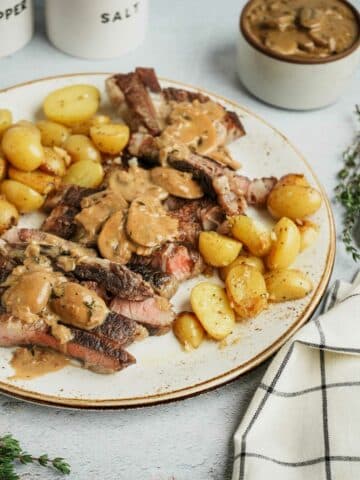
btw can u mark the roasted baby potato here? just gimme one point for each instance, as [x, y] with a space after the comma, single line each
[80, 147]
[218, 250]
[95, 121]
[293, 197]
[54, 163]
[8, 215]
[39, 181]
[252, 234]
[285, 246]
[52, 134]
[188, 330]
[24, 198]
[72, 105]
[246, 289]
[5, 120]
[110, 138]
[3, 168]
[22, 147]
[85, 173]
[243, 259]
[309, 232]
[212, 308]
[284, 285]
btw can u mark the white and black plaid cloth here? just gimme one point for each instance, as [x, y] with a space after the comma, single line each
[303, 422]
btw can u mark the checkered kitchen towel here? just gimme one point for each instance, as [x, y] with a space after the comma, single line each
[303, 422]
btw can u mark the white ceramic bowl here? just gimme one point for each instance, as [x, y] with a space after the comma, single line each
[292, 83]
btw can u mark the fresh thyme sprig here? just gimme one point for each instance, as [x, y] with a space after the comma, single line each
[348, 193]
[12, 453]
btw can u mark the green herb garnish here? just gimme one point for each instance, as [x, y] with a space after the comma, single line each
[348, 193]
[11, 453]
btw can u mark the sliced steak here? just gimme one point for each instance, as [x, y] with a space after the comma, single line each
[97, 353]
[55, 244]
[117, 280]
[163, 284]
[61, 221]
[154, 313]
[70, 195]
[122, 330]
[231, 121]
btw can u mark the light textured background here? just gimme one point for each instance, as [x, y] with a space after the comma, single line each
[191, 42]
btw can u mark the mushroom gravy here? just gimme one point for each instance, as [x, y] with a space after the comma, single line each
[311, 29]
[35, 362]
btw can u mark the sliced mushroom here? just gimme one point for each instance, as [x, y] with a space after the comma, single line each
[133, 182]
[77, 305]
[113, 242]
[311, 17]
[282, 42]
[149, 224]
[179, 184]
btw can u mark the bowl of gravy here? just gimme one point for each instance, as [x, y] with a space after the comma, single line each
[298, 54]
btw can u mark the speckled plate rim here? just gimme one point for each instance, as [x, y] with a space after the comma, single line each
[202, 387]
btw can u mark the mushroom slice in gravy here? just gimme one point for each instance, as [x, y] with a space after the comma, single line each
[179, 184]
[29, 295]
[148, 222]
[133, 182]
[78, 306]
[96, 210]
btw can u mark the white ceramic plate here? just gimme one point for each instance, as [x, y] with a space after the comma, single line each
[164, 371]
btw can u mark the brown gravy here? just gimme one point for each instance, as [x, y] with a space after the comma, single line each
[31, 363]
[302, 28]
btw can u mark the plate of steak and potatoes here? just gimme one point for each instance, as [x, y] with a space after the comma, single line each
[158, 241]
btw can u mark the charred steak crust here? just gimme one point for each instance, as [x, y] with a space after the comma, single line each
[149, 79]
[138, 101]
[120, 329]
[180, 95]
[162, 283]
[61, 221]
[118, 280]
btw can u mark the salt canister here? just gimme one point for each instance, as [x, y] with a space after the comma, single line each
[96, 29]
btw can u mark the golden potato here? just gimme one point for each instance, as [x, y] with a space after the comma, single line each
[246, 290]
[212, 308]
[293, 179]
[72, 105]
[95, 121]
[218, 250]
[30, 125]
[8, 215]
[309, 232]
[285, 246]
[80, 147]
[39, 181]
[24, 198]
[111, 138]
[3, 168]
[284, 285]
[188, 330]
[22, 148]
[252, 234]
[54, 163]
[293, 201]
[5, 120]
[52, 133]
[243, 259]
[85, 173]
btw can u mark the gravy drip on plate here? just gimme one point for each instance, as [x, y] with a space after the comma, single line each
[35, 362]
[298, 28]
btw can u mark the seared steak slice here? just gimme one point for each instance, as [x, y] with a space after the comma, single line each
[96, 353]
[162, 283]
[120, 329]
[70, 195]
[178, 261]
[61, 221]
[51, 243]
[6, 267]
[231, 121]
[117, 280]
[154, 313]
[130, 95]
[149, 79]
